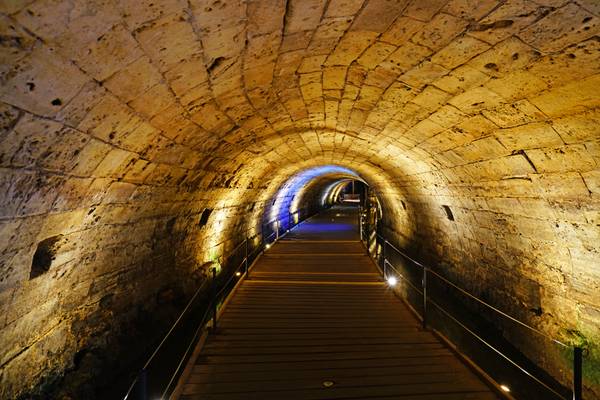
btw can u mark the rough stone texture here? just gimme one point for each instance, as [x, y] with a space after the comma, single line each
[121, 121]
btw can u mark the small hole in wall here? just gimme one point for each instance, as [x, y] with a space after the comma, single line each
[403, 204]
[43, 256]
[56, 102]
[448, 213]
[204, 216]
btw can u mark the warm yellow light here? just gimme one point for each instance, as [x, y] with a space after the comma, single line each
[267, 246]
[238, 273]
[392, 281]
[505, 388]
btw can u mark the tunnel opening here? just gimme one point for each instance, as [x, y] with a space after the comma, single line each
[474, 122]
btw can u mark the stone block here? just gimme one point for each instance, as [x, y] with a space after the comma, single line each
[265, 17]
[153, 101]
[401, 31]
[405, 57]
[375, 54]
[476, 99]
[116, 49]
[350, 47]
[515, 114]
[41, 83]
[377, 15]
[470, 9]
[572, 64]
[343, 8]
[568, 185]
[113, 163]
[563, 159]
[506, 20]
[109, 120]
[565, 26]
[442, 29]
[592, 181]
[459, 51]
[137, 13]
[423, 74]
[334, 78]
[90, 156]
[529, 136]
[517, 85]
[303, 15]
[424, 11]
[569, 99]
[168, 41]
[133, 80]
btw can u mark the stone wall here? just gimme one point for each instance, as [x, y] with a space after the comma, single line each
[121, 122]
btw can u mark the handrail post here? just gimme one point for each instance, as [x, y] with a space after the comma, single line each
[277, 230]
[360, 228]
[359, 223]
[246, 258]
[367, 240]
[424, 283]
[577, 373]
[383, 252]
[214, 299]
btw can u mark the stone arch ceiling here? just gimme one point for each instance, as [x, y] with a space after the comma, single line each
[123, 120]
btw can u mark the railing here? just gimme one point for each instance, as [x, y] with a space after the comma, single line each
[279, 226]
[381, 255]
[159, 375]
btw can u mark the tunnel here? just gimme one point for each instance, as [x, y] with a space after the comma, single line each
[149, 147]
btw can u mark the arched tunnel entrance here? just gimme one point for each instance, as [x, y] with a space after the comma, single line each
[151, 151]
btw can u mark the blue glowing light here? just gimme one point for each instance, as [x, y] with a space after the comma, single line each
[287, 196]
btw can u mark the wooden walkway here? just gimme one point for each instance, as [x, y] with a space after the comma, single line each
[315, 321]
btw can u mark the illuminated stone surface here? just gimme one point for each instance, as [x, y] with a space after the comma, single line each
[121, 121]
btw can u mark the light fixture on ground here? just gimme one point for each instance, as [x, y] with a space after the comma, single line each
[267, 246]
[391, 280]
[238, 273]
[505, 388]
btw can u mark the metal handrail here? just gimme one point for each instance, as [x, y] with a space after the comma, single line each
[495, 349]
[283, 219]
[403, 277]
[577, 385]
[211, 306]
[499, 311]
[201, 325]
[471, 331]
[467, 293]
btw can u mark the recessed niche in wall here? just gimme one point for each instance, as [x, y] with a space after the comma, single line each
[44, 254]
[204, 216]
[448, 213]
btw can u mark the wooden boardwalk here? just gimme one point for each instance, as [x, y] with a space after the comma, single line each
[315, 321]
